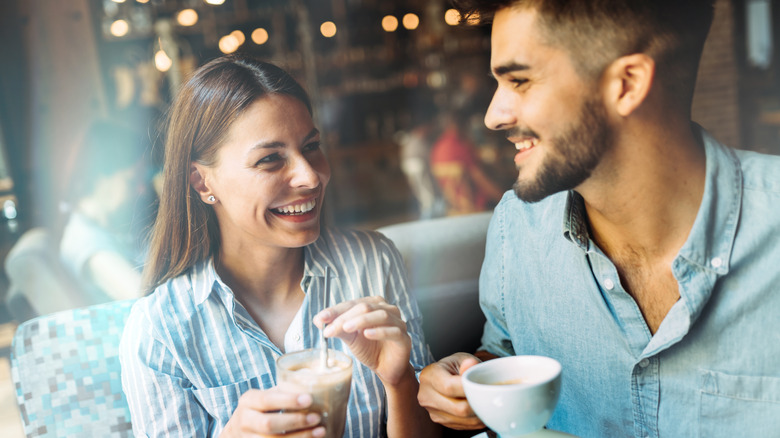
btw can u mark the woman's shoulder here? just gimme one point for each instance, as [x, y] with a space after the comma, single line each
[170, 303]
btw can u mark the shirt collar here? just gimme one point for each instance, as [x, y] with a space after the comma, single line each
[575, 227]
[205, 280]
[712, 236]
[316, 257]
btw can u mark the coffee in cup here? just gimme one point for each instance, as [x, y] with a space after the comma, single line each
[514, 396]
[329, 386]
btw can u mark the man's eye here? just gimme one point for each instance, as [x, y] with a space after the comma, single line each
[313, 146]
[518, 82]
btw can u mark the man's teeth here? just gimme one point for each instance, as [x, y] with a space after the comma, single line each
[297, 209]
[525, 144]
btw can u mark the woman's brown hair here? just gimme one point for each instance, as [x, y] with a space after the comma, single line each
[186, 230]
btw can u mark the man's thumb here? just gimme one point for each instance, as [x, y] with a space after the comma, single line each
[467, 363]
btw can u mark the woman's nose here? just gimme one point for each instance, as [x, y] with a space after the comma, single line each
[303, 173]
[500, 115]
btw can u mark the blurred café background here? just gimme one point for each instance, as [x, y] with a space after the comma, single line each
[376, 71]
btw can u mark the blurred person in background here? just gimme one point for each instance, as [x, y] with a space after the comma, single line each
[415, 152]
[110, 204]
[463, 182]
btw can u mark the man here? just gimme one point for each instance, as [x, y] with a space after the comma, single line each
[636, 250]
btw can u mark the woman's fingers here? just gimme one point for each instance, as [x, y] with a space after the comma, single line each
[279, 423]
[328, 315]
[274, 400]
[275, 412]
[364, 317]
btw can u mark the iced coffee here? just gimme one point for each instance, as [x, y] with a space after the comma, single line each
[304, 372]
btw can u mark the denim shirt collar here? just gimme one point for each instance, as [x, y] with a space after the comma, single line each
[712, 236]
[575, 225]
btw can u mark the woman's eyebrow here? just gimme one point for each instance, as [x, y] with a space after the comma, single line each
[314, 132]
[278, 144]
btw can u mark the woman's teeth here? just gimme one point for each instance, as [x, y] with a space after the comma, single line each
[297, 209]
[525, 144]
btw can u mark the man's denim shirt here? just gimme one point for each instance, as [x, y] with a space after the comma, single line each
[713, 367]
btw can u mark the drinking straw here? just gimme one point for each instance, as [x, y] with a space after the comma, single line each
[323, 340]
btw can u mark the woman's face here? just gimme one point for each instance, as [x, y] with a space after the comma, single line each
[270, 177]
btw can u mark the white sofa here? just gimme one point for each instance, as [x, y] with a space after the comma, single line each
[443, 257]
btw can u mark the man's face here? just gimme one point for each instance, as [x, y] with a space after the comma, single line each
[553, 116]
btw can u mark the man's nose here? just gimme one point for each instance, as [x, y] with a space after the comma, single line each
[500, 115]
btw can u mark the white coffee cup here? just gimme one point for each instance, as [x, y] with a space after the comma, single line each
[515, 395]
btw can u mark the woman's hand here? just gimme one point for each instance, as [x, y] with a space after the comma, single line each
[273, 413]
[375, 334]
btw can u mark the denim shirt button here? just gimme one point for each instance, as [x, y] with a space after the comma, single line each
[609, 284]
[716, 262]
[644, 363]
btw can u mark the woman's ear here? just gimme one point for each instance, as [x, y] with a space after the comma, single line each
[628, 82]
[198, 181]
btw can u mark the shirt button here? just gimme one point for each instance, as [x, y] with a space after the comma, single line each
[609, 284]
[644, 363]
[716, 262]
[297, 337]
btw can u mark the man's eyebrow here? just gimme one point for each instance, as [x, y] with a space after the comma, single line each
[509, 68]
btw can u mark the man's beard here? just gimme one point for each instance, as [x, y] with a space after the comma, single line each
[574, 155]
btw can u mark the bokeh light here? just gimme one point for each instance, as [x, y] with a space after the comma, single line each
[411, 21]
[260, 36]
[187, 17]
[389, 23]
[239, 36]
[452, 17]
[228, 44]
[120, 28]
[328, 29]
[162, 61]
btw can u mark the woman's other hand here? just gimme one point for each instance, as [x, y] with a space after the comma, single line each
[272, 413]
[375, 334]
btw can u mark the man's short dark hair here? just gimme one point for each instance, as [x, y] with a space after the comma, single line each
[596, 32]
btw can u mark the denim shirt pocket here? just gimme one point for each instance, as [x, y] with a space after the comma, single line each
[221, 401]
[734, 405]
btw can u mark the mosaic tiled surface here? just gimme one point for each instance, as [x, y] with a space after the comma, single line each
[65, 367]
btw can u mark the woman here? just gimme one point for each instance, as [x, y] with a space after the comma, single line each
[237, 263]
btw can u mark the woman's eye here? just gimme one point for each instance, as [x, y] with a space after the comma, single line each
[269, 159]
[313, 146]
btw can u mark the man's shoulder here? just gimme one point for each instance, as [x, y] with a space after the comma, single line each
[760, 171]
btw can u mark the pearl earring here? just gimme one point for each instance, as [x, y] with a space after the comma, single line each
[212, 198]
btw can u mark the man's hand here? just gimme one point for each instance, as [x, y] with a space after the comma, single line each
[441, 392]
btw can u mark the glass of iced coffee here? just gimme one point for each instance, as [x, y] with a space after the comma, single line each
[304, 372]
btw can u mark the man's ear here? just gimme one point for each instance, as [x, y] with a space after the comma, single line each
[628, 82]
[198, 182]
